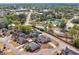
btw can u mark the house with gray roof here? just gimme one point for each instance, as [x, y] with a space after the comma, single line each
[43, 39]
[21, 40]
[68, 51]
[19, 37]
[34, 33]
[32, 46]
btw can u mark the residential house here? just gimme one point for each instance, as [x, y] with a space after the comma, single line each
[43, 39]
[68, 51]
[32, 46]
[19, 37]
[21, 40]
[34, 33]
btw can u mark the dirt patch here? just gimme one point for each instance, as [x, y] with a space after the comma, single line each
[15, 44]
[46, 46]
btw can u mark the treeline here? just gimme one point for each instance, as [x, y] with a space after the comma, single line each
[37, 5]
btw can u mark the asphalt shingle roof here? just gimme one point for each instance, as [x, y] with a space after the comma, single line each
[33, 45]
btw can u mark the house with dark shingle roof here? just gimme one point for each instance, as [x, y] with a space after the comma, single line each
[34, 33]
[43, 39]
[32, 46]
[68, 51]
[21, 40]
[19, 37]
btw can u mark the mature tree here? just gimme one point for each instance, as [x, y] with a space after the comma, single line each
[67, 16]
[3, 23]
[63, 24]
[11, 18]
[34, 23]
[27, 48]
[76, 43]
[58, 16]
[50, 25]
[25, 29]
[16, 22]
[76, 27]
[74, 32]
[49, 16]
[22, 18]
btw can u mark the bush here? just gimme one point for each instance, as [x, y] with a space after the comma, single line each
[27, 48]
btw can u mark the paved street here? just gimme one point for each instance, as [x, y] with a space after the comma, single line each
[20, 51]
[62, 45]
[28, 18]
[5, 41]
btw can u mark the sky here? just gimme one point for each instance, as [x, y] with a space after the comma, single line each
[39, 1]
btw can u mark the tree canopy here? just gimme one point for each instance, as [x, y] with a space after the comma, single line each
[24, 28]
[3, 23]
[76, 43]
[13, 17]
